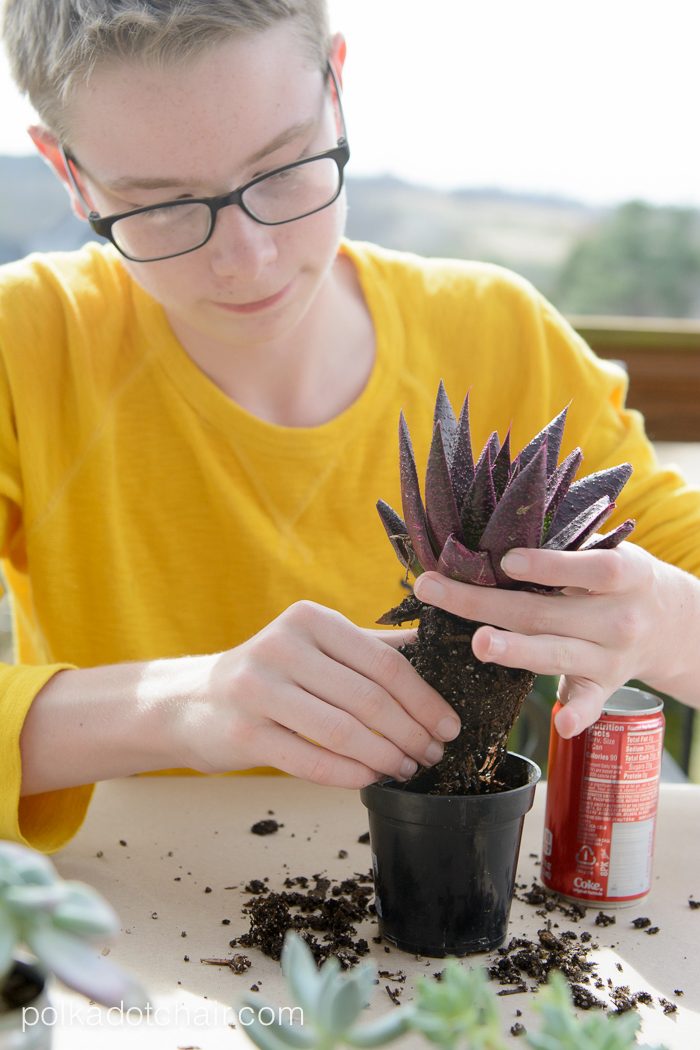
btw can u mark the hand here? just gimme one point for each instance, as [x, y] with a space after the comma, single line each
[614, 621]
[316, 696]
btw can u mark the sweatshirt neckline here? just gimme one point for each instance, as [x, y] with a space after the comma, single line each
[222, 412]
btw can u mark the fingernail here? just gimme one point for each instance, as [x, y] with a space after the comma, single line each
[497, 645]
[433, 752]
[574, 725]
[514, 564]
[408, 767]
[449, 728]
[428, 589]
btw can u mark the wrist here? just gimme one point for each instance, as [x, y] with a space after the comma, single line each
[170, 695]
[675, 665]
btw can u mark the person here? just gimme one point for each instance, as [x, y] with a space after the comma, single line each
[199, 415]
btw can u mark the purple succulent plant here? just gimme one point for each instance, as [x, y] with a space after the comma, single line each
[475, 512]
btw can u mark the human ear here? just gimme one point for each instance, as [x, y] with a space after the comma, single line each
[337, 55]
[50, 149]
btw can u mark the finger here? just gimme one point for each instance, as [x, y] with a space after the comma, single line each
[340, 733]
[369, 703]
[340, 639]
[583, 702]
[301, 758]
[601, 571]
[393, 638]
[542, 654]
[521, 611]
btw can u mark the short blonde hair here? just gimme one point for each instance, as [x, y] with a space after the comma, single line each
[54, 45]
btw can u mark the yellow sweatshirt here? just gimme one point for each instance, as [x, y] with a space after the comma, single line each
[144, 514]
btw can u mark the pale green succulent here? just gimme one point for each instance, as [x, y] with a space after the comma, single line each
[562, 1029]
[331, 1003]
[458, 1011]
[56, 920]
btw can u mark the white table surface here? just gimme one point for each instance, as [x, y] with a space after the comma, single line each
[199, 829]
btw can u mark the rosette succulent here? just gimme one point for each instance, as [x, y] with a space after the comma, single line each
[475, 511]
[59, 921]
[457, 1011]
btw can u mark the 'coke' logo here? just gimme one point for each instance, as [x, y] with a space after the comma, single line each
[587, 884]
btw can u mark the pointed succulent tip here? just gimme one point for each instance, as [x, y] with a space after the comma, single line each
[440, 503]
[412, 503]
[444, 417]
[611, 539]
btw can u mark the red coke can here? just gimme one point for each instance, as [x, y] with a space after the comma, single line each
[602, 797]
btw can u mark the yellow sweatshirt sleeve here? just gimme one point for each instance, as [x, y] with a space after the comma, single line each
[47, 821]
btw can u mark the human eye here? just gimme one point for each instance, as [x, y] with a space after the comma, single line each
[157, 216]
[286, 175]
[167, 214]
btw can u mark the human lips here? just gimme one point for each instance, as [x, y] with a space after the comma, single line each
[253, 306]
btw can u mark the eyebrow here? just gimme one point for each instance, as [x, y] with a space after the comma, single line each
[284, 138]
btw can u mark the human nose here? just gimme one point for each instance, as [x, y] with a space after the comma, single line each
[239, 245]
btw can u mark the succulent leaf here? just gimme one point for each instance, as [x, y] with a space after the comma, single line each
[18, 864]
[413, 509]
[460, 1007]
[589, 489]
[562, 1028]
[559, 483]
[82, 912]
[446, 418]
[500, 471]
[610, 539]
[9, 938]
[493, 445]
[462, 462]
[518, 519]
[346, 999]
[27, 900]
[300, 969]
[550, 436]
[398, 537]
[479, 503]
[392, 522]
[278, 1036]
[578, 530]
[441, 508]
[467, 566]
[381, 1031]
[79, 967]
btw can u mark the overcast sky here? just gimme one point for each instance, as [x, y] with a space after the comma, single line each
[595, 99]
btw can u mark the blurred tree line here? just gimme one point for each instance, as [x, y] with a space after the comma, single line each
[636, 259]
[639, 260]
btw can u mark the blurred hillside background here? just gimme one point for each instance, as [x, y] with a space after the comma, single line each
[633, 259]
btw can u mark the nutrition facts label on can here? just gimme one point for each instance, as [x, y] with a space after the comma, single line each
[618, 803]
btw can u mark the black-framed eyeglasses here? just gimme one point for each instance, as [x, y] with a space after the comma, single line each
[285, 194]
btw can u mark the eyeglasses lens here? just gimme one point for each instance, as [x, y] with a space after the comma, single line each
[173, 229]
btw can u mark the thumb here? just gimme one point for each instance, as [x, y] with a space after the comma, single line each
[582, 701]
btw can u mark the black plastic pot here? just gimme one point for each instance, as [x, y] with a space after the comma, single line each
[444, 865]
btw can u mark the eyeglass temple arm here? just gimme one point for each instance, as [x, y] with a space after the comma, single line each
[336, 85]
[68, 162]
